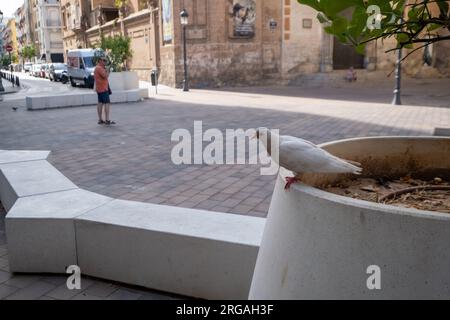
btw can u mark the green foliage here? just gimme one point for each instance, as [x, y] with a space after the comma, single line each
[419, 24]
[6, 61]
[117, 50]
[120, 3]
[28, 52]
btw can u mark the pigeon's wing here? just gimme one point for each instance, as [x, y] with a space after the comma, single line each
[299, 155]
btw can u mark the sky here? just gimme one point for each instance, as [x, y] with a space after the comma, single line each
[10, 6]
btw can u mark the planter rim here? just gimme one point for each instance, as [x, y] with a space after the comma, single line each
[363, 204]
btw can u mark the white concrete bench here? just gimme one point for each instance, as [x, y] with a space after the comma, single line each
[41, 231]
[23, 179]
[52, 224]
[84, 98]
[191, 252]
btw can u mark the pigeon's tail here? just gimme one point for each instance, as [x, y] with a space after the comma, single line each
[355, 166]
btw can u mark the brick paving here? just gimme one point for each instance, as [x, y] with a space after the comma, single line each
[53, 287]
[132, 159]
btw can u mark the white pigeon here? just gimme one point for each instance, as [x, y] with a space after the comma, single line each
[301, 156]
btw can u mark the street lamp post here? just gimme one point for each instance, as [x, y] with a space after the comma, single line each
[184, 21]
[398, 79]
[398, 75]
[1, 83]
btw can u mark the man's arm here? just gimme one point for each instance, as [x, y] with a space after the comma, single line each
[102, 73]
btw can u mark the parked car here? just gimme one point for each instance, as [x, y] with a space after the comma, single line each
[56, 71]
[80, 67]
[47, 71]
[36, 70]
[27, 67]
[64, 77]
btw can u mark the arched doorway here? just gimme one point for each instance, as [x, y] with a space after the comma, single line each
[345, 56]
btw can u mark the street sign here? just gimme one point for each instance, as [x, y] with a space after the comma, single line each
[9, 48]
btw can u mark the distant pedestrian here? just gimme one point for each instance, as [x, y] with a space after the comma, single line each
[351, 75]
[103, 92]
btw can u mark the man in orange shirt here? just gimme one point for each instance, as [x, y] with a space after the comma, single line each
[103, 92]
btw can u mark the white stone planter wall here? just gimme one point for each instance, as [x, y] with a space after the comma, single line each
[125, 80]
[317, 245]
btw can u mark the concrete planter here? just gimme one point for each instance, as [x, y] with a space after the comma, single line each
[318, 245]
[125, 80]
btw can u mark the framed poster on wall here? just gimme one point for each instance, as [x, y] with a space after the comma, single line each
[167, 20]
[242, 18]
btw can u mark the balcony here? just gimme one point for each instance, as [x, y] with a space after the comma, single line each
[53, 23]
[50, 2]
[103, 3]
[106, 13]
[76, 25]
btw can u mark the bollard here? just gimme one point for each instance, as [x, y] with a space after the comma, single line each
[17, 82]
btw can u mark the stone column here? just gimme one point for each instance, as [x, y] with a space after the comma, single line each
[326, 52]
[371, 56]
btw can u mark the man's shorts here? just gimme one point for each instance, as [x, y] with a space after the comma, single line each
[103, 97]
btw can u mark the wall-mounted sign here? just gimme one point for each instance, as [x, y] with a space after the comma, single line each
[167, 20]
[242, 18]
[307, 23]
[273, 24]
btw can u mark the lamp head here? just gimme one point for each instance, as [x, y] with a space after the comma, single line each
[184, 17]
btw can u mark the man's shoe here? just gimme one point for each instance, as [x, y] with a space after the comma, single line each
[108, 122]
[101, 122]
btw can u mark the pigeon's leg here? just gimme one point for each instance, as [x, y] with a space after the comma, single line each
[290, 181]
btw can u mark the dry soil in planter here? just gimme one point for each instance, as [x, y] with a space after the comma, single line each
[432, 195]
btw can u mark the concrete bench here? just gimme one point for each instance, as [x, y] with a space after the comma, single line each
[84, 98]
[52, 224]
[22, 155]
[41, 230]
[190, 252]
[22, 179]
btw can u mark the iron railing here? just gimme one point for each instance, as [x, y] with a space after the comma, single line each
[11, 78]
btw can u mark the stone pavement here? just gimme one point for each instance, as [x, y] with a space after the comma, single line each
[132, 159]
[53, 287]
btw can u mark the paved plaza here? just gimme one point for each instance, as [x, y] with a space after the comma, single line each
[132, 160]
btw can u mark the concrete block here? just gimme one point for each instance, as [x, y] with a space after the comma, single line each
[90, 98]
[19, 156]
[29, 178]
[41, 232]
[125, 80]
[35, 103]
[71, 100]
[83, 99]
[191, 252]
[133, 95]
[143, 93]
[118, 97]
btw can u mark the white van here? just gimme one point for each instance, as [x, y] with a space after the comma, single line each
[36, 70]
[80, 67]
[27, 67]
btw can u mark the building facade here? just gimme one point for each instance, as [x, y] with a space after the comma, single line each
[22, 32]
[75, 18]
[229, 42]
[48, 32]
[137, 19]
[9, 34]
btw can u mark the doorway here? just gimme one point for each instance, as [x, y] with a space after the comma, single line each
[345, 56]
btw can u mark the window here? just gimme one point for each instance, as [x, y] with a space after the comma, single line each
[88, 62]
